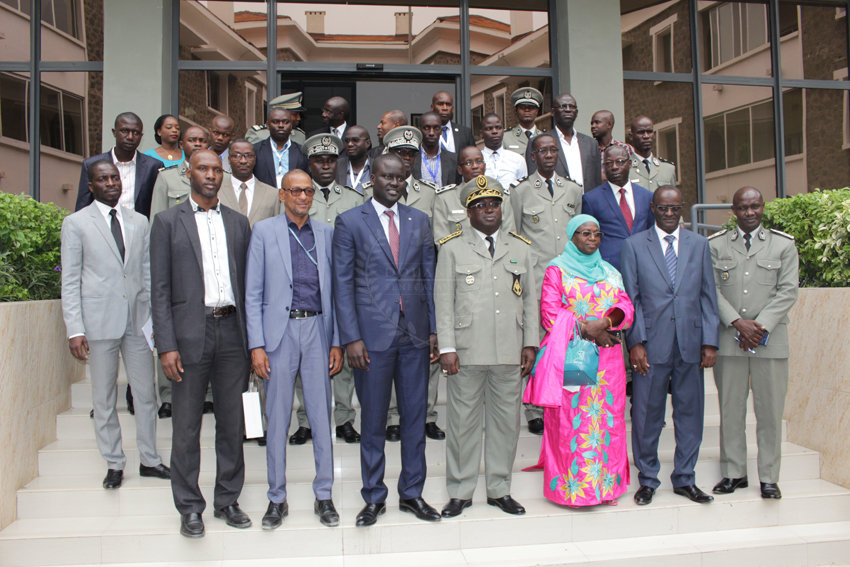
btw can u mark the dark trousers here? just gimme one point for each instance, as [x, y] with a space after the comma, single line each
[225, 365]
[649, 403]
[406, 366]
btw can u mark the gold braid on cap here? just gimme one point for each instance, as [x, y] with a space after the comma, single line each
[482, 191]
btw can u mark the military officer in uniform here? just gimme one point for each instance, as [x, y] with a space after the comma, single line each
[488, 330]
[331, 199]
[449, 213]
[291, 102]
[543, 205]
[527, 102]
[757, 276]
[648, 170]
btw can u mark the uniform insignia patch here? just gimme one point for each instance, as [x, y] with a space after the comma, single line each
[724, 276]
[337, 190]
[445, 188]
[166, 168]
[259, 127]
[457, 226]
[535, 218]
[524, 239]
[780, 233]
[655, 160]
[537, 183]
[558, 181]
[449, 237]
[470, 280]
[716, 234]
[516, 288]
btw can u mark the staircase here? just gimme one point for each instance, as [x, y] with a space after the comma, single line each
[66, 518]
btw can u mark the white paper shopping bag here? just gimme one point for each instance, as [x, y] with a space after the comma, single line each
[253, 415]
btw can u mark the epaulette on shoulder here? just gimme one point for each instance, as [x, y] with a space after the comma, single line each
[666, 160]
[347, 187]
[780, 233]
[445, 188]
[524, 239]
[167, 167]
[716, 234]
[518, 181]
[366, 185]
[449, 237]
[568, 178]
[430, 184]
[258, 127]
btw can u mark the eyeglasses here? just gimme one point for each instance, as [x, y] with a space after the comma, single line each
[664, 209]
[620, 162]
[297, 192]
[567, 106]
[470, 163]
[588, 234]
[249, 157]
[486, 205]
[546, 151]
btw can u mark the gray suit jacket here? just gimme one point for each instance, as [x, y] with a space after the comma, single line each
[591, 162]
[685, 312]
[264, 205]
[177, 278]
[99, 291]
[268, 283]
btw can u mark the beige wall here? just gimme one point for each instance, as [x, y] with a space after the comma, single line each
[36, 373]
[818, 404]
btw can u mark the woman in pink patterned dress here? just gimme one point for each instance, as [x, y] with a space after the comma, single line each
[583, 454]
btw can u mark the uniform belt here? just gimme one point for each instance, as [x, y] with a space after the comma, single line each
[221, 311]
[299, 314]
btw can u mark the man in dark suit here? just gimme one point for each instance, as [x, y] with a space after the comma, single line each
[383, 280]
[138, 171]
[277, 155]
[198, 254]
[454, 137]
[579, 155]
[354, 165]
[669, 277]
[440, 167]
[334, 116]
[621, 207]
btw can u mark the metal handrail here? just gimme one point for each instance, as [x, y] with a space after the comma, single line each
[695, 226]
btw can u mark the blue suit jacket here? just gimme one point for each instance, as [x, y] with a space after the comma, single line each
[601, 204]
[686, 311]
[264, 167]
[268, 282]
[367, 284]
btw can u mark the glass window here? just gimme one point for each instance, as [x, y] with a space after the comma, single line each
[493, 94]
[214, 90]
[72, 123]
[13, 107]
[657, 38]
[81, 27]
[518, 37]
[735, 38]
[14, 15]
[821, 47]
[51, 117]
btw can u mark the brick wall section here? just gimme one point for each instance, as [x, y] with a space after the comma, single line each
[638, 55]
[93, 22]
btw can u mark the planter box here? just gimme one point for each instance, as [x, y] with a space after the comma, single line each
[818, 404]
[36, 373]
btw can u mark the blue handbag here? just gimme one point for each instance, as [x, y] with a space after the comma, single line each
[581, 363]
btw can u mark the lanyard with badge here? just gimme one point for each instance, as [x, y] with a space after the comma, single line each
[355, 182]
[279, 154]
[431, 172]
[304, 248]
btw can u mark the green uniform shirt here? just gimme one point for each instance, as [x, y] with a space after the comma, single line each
[340, 199]
[660, 173]
[516, 140]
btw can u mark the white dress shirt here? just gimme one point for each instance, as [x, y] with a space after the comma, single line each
[573, 157]
[105, 210]
[662, 234]
[218, 291]
[385, 220]
[504, 165]
[449, 142]
[127, 171]
[249, 192]
[339, 131]
[630, 195]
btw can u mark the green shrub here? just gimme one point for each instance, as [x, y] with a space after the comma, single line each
[29, 249]
[820, 225]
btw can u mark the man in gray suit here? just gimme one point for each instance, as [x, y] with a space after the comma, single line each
[198, 254]
[670, 279]
[291, 330]
[106, 284]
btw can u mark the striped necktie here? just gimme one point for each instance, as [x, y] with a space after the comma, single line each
[670, 257]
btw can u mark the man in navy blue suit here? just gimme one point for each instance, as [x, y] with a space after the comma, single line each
[277, 155]
[621, 207]
[383, 282]
[669, 276]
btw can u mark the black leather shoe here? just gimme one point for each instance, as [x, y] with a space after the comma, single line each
[159, 471]
[369, 514]
[644, 495]
[393, 433]
[192, 526]
[695, 494]
[535, 426]
[164, 410]
[275, 514]
[770, 491]
[729, 485]
[455, 507]
[113, 479]
[419, 508]
[432, 431]
[233, 516]
[507, 505]
[129, 397]
[263, 441]
[326, 512]
[91, 414]
[346, 431]
[209, 407]
[301, 436]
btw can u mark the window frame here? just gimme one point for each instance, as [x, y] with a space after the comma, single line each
[841, 75]
[671, 124]
[657, 31]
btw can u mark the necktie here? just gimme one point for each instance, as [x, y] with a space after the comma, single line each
[446, 133]
[495, 163]
[243, 199]
[492, 245]
[747, 238]
[394, 245]
[327, 192]
[528, 134]
[670, 258]
[551, 188]
[646, 163]
[116, 232]
[627, 212]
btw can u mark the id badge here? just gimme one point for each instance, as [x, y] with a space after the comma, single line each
[279, 181]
